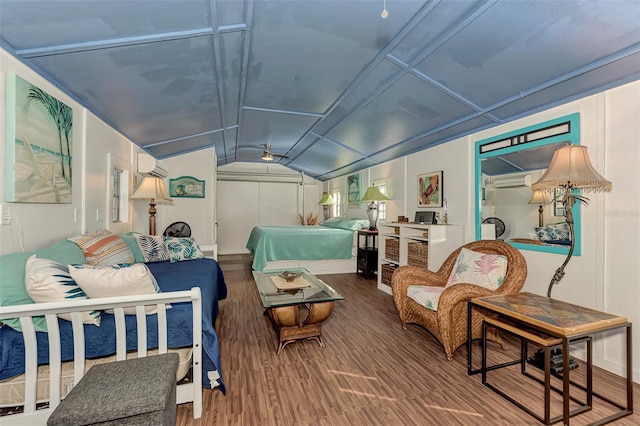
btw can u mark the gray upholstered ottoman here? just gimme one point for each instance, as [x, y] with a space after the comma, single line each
[140, 391]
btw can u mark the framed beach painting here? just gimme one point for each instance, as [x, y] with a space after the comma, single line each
[430, 189]
[353, 191]
[39, 145]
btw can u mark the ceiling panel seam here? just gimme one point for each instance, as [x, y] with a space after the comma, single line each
[182, 138]
[439, 42]
[415, 20]
[281, 111]
[113, 43]
[213, 20]
[567, 76]
[348, 148]
[248, 4]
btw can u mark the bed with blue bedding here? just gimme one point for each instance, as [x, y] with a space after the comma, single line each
[101, 341]
[332, 240]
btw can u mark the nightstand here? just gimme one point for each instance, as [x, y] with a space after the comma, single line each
[367, 252]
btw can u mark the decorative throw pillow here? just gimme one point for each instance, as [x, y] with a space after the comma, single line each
[558, 231]
[182, 249]
[49, 281]
[116, 280]
[426, 296]
[486, 270]
[103, 248]
[152, 247]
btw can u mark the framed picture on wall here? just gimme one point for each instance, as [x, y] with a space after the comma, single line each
[39, 145]
[430, 189]
[353, 191]
[186, 187]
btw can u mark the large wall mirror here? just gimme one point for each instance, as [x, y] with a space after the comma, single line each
[506, 165]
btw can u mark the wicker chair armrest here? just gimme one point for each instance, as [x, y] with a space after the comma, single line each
[461, 293]
[405, 276]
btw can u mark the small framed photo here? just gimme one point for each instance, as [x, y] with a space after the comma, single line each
[430, 190]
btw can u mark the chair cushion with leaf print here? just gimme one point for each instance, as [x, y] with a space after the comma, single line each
[438, 300]
[483, 269]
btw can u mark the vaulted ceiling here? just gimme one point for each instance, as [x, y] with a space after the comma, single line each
[331, 84]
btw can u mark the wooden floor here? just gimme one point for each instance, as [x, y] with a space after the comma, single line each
[371, 372]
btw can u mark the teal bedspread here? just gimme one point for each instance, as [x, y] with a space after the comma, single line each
[268, 243]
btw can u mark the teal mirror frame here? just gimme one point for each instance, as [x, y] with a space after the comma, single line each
[572, 137]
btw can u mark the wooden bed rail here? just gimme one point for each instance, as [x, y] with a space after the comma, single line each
[191, 392]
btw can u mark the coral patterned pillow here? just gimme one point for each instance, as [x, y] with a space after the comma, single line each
[103, 247]
[486, 270]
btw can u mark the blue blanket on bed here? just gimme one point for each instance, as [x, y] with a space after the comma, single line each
[101, 341]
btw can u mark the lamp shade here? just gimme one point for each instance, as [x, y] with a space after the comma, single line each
[540, 197]
[152, 188]
[327, 200]
[373, 194]
[570, 167]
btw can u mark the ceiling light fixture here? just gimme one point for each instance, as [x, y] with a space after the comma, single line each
[267, 156]
[385, 12]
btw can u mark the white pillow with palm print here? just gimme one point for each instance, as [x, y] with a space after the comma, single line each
[182, 249]
[152, 247]
[486, 270]
[50, 281]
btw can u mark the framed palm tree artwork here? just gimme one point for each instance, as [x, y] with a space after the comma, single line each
[39, 145]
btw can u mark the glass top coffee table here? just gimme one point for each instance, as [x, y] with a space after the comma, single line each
[298, 308]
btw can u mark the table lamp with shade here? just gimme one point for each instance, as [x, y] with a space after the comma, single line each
[326, 202]
[153, 189]
[374, 195]
[571, 169]
[541, 198]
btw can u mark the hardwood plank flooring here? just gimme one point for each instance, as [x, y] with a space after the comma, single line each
[371, 372]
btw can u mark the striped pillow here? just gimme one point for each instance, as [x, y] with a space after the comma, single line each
[103, 248]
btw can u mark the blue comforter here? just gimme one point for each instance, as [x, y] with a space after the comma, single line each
[101, 341]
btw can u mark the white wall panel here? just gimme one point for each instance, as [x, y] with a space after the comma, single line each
[278, 203]
[237, 214]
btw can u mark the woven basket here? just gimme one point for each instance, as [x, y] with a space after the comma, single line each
[392, 249]
[417, 254]
[387, 272]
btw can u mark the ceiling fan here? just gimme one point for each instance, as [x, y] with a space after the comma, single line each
[267, 155]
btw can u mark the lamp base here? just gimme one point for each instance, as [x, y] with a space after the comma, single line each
[372, 214]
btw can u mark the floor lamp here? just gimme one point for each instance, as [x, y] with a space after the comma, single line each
[374, 195]
[570, 169]
[153, 189]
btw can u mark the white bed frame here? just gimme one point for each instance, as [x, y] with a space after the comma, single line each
[316, 267]
[190, 392]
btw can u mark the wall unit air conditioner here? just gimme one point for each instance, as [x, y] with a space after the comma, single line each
[148, 166]
[512, 181]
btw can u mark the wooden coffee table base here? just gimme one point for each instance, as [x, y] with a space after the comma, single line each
[291, 324]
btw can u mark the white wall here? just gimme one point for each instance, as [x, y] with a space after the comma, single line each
[243, 205]
[199, 213]
[607, 274]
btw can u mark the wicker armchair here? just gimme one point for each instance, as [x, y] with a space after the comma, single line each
[449, 323]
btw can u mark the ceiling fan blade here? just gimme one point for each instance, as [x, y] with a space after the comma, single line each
[280, 155]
